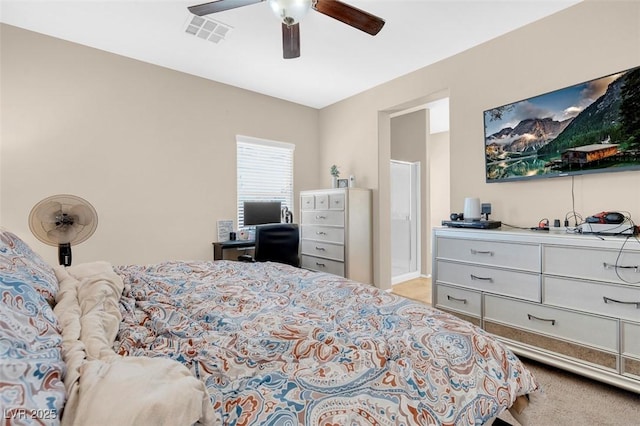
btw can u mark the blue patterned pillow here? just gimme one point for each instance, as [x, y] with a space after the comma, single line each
[31, 372]
[19, 261]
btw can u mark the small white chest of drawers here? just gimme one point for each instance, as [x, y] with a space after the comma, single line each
[336, 232]
[572, 301]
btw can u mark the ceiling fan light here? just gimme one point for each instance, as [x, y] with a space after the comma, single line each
[290, 12]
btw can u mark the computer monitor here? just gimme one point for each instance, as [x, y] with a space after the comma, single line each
[261, 212]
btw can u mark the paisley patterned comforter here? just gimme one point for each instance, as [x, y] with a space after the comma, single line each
[277, 345]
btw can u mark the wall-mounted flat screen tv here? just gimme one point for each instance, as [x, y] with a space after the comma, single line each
[591, 127]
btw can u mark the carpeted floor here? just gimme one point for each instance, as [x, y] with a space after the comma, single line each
[568, 399]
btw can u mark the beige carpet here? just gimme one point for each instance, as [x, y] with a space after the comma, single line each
[569, 399]
[417, 289]
[565, 399]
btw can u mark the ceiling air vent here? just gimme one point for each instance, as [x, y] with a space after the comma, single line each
[207, 29]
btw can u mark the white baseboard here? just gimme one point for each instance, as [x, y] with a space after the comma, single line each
[405, 277]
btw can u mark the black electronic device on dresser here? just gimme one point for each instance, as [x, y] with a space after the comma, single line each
[474, 224]
[608, 223]
[458, 220]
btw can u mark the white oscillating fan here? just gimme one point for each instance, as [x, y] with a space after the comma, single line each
[62, 221]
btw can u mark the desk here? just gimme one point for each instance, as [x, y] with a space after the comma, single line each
[235, 244]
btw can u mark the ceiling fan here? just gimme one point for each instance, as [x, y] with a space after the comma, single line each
[290, 12]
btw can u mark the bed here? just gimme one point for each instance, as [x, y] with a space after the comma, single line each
[234, 343]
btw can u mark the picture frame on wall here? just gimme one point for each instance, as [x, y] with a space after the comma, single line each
[343, 183]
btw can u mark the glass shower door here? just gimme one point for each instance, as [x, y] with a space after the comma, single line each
[403, 218]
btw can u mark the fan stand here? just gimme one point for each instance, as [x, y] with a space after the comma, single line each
[64, 254]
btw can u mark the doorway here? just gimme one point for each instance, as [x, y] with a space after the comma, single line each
[399, 127]
[405, 220]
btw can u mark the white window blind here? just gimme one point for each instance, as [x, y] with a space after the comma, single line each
[264, 171]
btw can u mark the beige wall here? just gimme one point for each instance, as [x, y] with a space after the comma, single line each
[589, 40]
[409, 143]
[152, 149]
[439, 181]
[409, 136]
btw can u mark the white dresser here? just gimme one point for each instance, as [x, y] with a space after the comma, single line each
[572, 301]
[336, 232]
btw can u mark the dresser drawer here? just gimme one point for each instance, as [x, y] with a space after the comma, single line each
[581, 328]
[630, 349]
[323, 265]
[631, 339]
[459, 299]
[321, 201]
[307, 202]
[336, 201]
[324, 250]
[498, 281]
[323, 217]
[515, 256]
[591, 296]
[592, 264]
[323, 233]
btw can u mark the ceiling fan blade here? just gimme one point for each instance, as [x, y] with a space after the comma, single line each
[219, 6]
[350, 15]
[290, 41]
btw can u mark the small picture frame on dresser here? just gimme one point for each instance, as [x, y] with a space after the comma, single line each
[343, 183]
[225, 227]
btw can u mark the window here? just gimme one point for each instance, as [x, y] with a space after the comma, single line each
[265, 172]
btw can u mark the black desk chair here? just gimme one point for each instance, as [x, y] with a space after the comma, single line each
[278, 242]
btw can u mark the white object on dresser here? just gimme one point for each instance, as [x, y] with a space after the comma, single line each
[336, 232]
[572, 301]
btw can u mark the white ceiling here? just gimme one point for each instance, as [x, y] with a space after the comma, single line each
[337, 61]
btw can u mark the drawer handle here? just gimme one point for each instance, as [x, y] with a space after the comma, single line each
[321, 248]
[455, 299]
[610, 266]
[608, 299]
[322, 265]
[531, 317]
[487, 252]
[321, 217]
[321, 233]
[475, 277]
